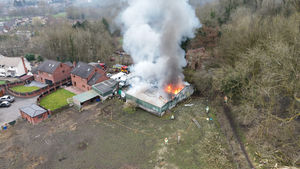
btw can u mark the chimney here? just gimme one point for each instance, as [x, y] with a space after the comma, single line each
[74, 64]
[25, 68]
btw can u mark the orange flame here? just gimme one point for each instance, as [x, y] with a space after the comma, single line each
[173, 89]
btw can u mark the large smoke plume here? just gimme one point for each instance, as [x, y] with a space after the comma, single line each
[153, 32]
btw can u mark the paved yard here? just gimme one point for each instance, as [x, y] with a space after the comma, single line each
[74, 89]
[36, 84]
[12, 113]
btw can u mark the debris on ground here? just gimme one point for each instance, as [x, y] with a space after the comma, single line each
[189, 105]
[196, 122]
[172, 117]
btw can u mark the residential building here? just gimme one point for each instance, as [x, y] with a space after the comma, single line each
[14, 66]
[51, 71]
[84, 76]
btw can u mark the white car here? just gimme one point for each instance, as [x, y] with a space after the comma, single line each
[7, 98]
[4, 104]
[2, 75]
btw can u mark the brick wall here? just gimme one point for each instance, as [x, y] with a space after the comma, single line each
[35, 120]
[83, 83]
[80, 83]
[37, 92]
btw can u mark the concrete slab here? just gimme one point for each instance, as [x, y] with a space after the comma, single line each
[74, 90]
[12, 113]
[37, 84]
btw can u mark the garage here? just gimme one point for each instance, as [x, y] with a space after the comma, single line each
[49, 82]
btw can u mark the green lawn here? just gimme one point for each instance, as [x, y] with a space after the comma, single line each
[24, 89]
[56, 99]
[2, 82]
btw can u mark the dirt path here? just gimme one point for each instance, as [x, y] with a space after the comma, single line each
[239, 153]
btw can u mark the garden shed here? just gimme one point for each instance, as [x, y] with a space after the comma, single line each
[34, 113]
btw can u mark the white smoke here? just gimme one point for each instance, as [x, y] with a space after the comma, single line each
[153, 32]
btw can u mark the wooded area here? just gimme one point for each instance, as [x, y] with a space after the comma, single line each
[255, 62]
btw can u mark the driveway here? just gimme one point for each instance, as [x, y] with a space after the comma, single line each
[12, 113]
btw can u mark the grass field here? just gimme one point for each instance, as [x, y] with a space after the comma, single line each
[24, 89]
[60, 15]
[2, 82]
[56, 100]
[103, 132]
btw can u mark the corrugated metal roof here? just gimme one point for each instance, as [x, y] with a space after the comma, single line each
[105, 86]
[33, 110]
[83, 97]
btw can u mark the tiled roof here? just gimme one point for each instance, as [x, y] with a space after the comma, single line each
[69, 63]
[83, 70]
[94, 79]
[48, 66]
[33, 110]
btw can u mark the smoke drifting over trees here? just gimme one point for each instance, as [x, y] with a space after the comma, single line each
[153, 32]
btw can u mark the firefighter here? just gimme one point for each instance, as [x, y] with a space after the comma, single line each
[207, 109]
[225, 99]
[166, 140]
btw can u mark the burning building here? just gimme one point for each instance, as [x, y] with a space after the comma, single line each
[152, 100]
[153, 31]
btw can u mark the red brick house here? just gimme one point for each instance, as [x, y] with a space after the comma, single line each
[51, 71]
[34, 113]
[84, 76]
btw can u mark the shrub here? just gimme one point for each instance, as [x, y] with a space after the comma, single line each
[30, 57]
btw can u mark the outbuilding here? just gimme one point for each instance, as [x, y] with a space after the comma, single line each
[85, 98]
[99, 91]
[152, 100]
[106, 88]
[34, 113]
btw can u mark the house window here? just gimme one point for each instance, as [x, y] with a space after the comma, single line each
[83, 86]
[63, 71]
[74, 83]
[40, 116]
[73, 76]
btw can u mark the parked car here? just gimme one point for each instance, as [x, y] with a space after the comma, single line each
[4, 104]
[108, 74]
[7, 98]
[2, 74]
